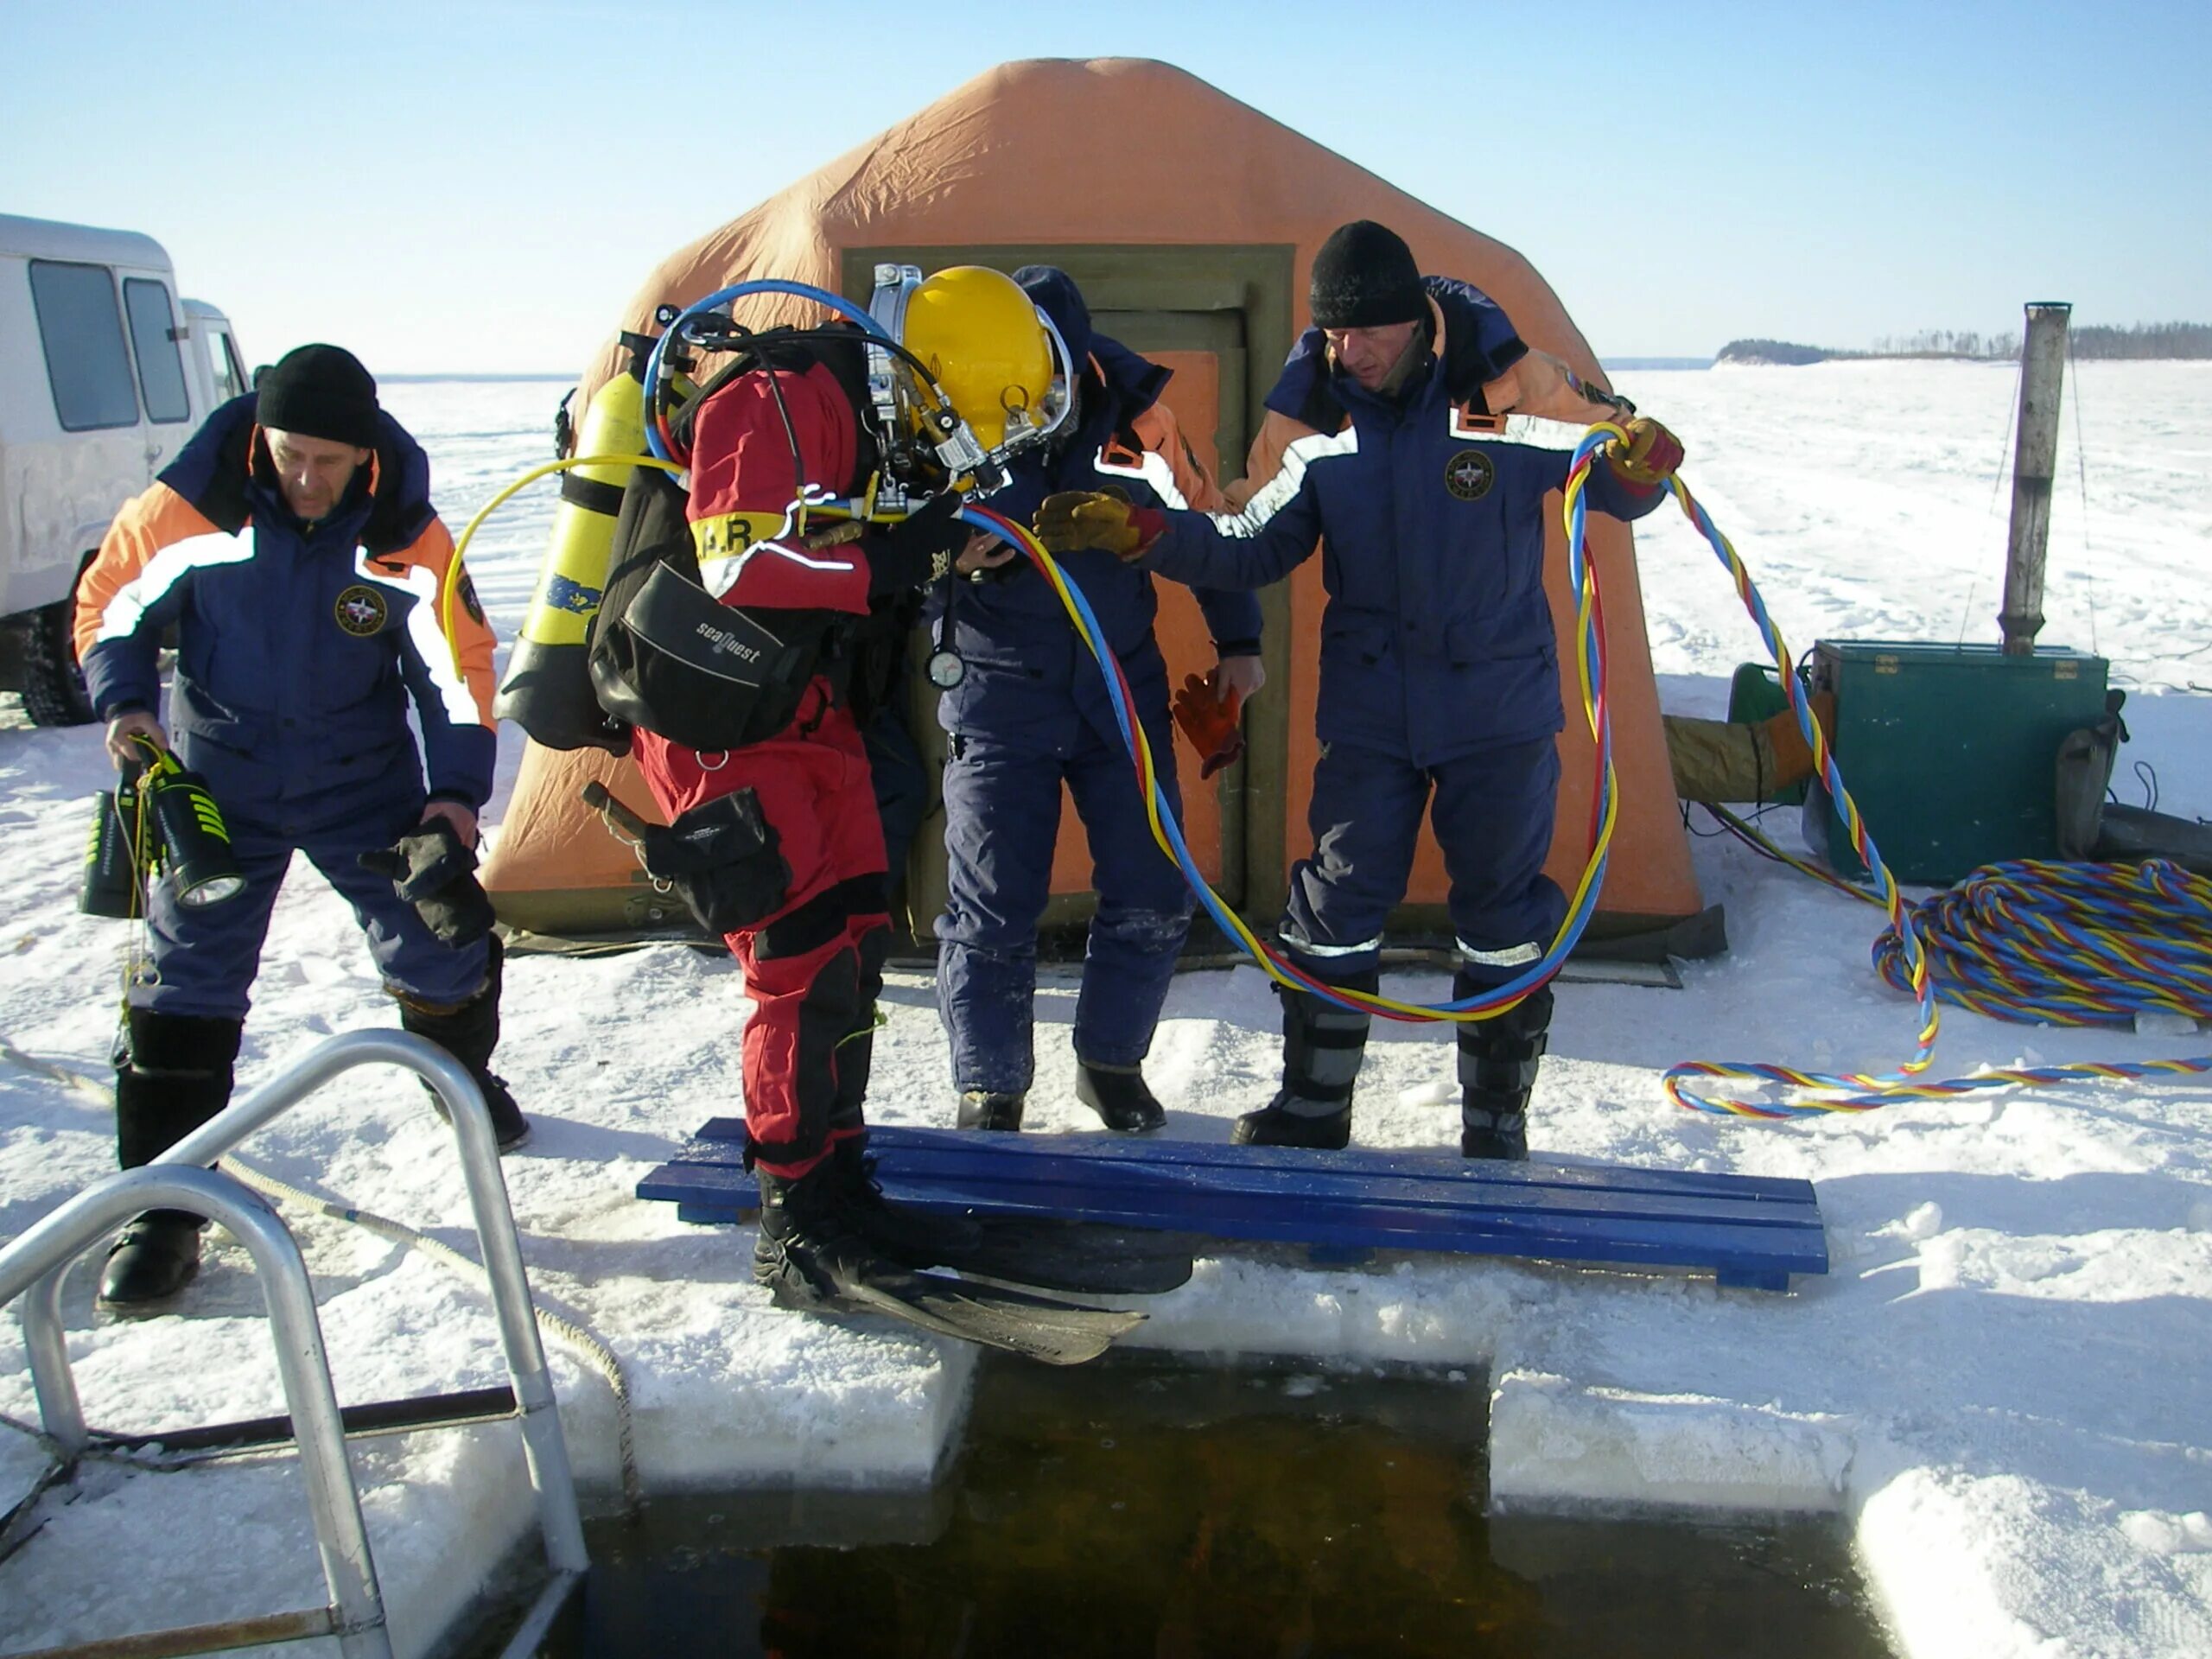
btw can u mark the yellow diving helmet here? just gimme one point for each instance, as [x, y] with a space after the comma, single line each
[986, 348]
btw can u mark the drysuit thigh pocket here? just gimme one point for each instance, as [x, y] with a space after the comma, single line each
[723, 857]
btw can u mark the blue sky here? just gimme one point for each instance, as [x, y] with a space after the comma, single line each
[479, 187]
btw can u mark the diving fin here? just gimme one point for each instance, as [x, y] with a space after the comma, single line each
[1017, 1321]
[815, 1251]
[1088, 1258]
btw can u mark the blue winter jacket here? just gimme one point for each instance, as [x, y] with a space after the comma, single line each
[301, 651]
[1437, 640]
[1030, 681]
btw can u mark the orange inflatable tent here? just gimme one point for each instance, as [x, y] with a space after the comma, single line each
[1191, 235]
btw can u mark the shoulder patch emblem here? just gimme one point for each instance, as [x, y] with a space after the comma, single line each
[1469, 474]
[469, 602]
[361, 611]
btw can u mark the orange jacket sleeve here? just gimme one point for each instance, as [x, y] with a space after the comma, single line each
[120, 615]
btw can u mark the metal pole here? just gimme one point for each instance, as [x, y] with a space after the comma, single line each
[49, 1245]
[545, 1449]
[46, 1341]
[2035, 456]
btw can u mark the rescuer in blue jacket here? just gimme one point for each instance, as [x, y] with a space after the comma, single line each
[1438, 664]
[1030, 713]
[293, 546]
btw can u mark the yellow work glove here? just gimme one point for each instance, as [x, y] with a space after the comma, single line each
[1080, 518]
[1648, 456]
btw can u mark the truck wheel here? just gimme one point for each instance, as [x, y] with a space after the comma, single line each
[54, 687]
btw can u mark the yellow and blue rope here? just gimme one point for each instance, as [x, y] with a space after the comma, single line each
[2068, 943]
[1591, 661]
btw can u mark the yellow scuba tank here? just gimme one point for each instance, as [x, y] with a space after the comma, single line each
[547, 690]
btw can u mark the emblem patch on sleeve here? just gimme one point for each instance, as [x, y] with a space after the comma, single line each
[1469, 474]
[361, 611]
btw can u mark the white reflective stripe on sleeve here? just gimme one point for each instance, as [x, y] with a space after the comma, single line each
[718, 575]
[420, 584]
[1156, 469]
[1278, 491]
[1514, 956]
[1307, 948]
[129, 605]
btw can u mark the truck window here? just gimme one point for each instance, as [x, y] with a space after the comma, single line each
[87, 363]
[152, 337]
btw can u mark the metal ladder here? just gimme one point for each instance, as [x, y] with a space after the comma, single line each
[34, 1265]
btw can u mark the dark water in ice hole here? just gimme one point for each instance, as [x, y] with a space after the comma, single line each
[1136, 1507]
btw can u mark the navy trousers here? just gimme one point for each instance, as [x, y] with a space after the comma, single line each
[1492, 813]
[204, 959]
[1002, 817]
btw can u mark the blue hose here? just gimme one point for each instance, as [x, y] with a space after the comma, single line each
[822, 297]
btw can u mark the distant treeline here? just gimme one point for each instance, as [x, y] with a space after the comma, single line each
[2145, 339]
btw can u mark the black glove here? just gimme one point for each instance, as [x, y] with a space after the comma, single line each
[920, 548]
[722, 857]
[432, 871]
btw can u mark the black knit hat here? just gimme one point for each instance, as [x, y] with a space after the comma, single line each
[1364, 277]
[319, 391]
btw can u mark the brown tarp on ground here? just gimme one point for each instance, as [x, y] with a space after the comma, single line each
[1019, 159]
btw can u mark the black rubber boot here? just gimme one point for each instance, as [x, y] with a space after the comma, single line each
[469, 1031]
[155, 1258]
[173, 1075]
[1275, 1125]
[810, 1252]
[1497, 1069]
[981, 1109]
[1322, 1047]
[914, 1238]
[1118, 1095]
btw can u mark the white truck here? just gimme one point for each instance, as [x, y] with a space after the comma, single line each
[105, 373]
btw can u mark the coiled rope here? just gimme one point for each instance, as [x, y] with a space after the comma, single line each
[2033, 940]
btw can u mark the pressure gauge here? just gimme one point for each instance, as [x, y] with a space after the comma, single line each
[946, 670]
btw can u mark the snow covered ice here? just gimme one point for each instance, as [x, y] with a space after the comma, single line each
[2002, 1383]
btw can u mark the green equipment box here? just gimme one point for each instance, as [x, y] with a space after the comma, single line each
[1950, 751]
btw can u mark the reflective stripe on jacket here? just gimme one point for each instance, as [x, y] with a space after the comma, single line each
[300, 645]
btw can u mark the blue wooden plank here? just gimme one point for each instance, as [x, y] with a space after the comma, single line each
[1752, 1263]
[1749, 1231]
[1438, 1187]
[722, 1139]
[1436, 1181]
[1758, 1253]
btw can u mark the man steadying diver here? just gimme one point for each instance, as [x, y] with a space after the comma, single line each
[727, 637]
[1439, 670]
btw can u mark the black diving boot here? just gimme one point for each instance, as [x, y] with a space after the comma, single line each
[981, 1110]
[469, 1031]
[810, 1251]
[173, 1075]
[1497, 1072]
[1118, 1095]
[913, 1238]
[1322, 1047]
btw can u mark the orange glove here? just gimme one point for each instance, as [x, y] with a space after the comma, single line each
[1650, 455]
[1076, 519]
[1208, 717]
